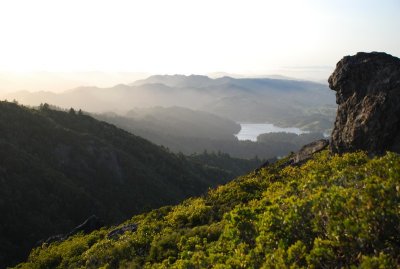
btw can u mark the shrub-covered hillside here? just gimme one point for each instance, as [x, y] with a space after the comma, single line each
[331, 212]
[59, 168]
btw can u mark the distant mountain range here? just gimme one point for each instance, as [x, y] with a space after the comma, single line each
[246, 99]
[61, 81]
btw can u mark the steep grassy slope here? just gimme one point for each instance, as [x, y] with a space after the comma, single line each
[332, 212]
[58, 168]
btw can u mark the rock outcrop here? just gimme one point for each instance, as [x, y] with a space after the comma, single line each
[307, 151]
[367, 89]
[114, 234]
[89, 225]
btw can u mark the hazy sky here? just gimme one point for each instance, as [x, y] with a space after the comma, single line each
[184, 36]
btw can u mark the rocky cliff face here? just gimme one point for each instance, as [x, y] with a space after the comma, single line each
[367, 89]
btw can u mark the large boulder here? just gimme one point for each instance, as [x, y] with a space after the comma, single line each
[367, 89]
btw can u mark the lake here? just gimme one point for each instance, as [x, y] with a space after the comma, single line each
[250, 131]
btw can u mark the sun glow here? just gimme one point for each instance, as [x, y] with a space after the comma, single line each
[188, 36]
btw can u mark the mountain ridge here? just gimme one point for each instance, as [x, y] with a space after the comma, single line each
[251, 100]
[53, 162]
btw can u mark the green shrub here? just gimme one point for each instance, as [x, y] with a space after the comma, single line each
[332, 212]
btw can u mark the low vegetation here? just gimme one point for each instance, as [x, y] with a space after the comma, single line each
[331, 212]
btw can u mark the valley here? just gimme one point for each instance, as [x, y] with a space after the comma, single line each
[73, 158]
[331, 204]
[199, 134]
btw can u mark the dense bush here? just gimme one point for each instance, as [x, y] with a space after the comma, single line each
[332, 212]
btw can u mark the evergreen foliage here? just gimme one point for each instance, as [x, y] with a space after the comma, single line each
[57, 168]
[331, 212]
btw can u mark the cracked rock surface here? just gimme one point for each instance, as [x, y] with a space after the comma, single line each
[367, 89]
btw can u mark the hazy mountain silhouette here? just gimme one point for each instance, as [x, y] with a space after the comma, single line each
[247, 99]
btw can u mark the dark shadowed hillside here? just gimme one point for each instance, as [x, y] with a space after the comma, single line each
[58, 168]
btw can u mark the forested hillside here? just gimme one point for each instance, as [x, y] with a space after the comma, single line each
[59, 168]
[331, 212]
